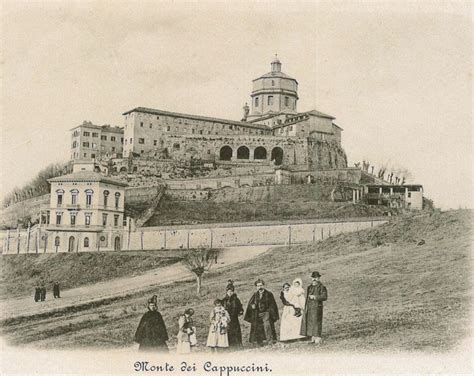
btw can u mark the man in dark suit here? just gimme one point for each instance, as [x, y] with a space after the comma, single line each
[262, 313]
[312, 323]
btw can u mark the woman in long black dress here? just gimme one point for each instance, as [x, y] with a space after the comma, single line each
[151, 333]
[234, 307]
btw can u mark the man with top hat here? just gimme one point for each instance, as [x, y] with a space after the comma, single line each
[262, 313]
[151, 333]
[312, 323]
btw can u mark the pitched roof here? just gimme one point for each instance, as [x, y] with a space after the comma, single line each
[87, 176]
[195, 117]
[318, 113]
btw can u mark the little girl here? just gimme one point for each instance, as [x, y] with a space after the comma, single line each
[219, 318]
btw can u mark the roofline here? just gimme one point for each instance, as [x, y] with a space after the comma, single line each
[112, 128]
[196, 117]
[69, 178]
[285, 78]
[337, 126]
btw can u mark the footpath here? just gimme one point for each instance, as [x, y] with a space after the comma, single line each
[26, 306]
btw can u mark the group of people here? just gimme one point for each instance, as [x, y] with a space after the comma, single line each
[301, 318]
[40, 292]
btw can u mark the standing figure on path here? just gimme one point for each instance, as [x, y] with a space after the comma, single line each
[56, 290]
[312, 323]
[293, 300]
[186, 332]
[262, 313]
[37, 294]
[234, 307]
[43, 292]
[220, 319]
[151, 333]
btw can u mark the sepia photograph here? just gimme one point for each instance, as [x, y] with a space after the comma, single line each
[233, 188]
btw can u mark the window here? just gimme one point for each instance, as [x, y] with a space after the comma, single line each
[104, 219]
[409, 194]
[60, 194]
[155, 142]
[256, 102]
[121, 139]
[157, 118]
[270, 100]
[116, 219]
[113, 149]
[103, 138]
[73, 219]
[57, 241]
[59, 217]
[112, 138]
[95, 134]
[106, 197]
[89, 193]
[141, 124]
[125, 141]
[287, 101]
[208, 152]
[74, 194]
[92, 155]
[131, 140]
[230, 126]
[151, 125]
[85, 144]
[87, 217]
[141, 140]
[85, 155]
[117, 200]
[142, 151]
[168, 128]
[87, 134]
[200, 132]
[291, 128]
[74, 144]
[273, 83]
[86, 242]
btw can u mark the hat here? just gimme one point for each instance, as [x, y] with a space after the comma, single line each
[189, 312]
[259, 281]
[315, 275]
[153, 299]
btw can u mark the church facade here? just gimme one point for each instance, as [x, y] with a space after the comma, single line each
[271, 132]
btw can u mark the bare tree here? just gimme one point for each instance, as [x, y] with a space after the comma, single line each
[199, 261]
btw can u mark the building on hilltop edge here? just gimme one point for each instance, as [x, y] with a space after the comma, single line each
[271, 132]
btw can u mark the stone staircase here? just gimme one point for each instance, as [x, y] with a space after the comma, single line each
[150, 210]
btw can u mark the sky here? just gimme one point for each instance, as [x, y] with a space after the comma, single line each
[396, 75]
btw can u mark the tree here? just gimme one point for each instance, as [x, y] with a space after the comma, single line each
[199, 261]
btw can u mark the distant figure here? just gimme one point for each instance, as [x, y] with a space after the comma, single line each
[312, 323]
[43, 293]
[233, 305]
[151, 333]
[56, 290]
[186, 332]
[37, 294]
[262, 313]
[219, 318]
[372, 170]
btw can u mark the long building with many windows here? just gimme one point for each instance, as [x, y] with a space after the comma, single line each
[271, 131]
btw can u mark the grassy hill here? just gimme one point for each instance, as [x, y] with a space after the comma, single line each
[188, 212]
[386, 293]
[20, 273]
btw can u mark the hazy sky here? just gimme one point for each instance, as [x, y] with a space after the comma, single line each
[396, 75]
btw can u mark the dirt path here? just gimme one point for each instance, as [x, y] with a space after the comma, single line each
[121, 286]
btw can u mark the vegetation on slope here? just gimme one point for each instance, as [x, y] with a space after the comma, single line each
[189, 212]
[39, 185]
[386, 293]
[21, 273]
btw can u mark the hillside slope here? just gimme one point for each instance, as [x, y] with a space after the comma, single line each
[386, 293]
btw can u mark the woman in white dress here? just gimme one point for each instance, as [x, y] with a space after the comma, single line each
[219, 318]
[293, 300]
